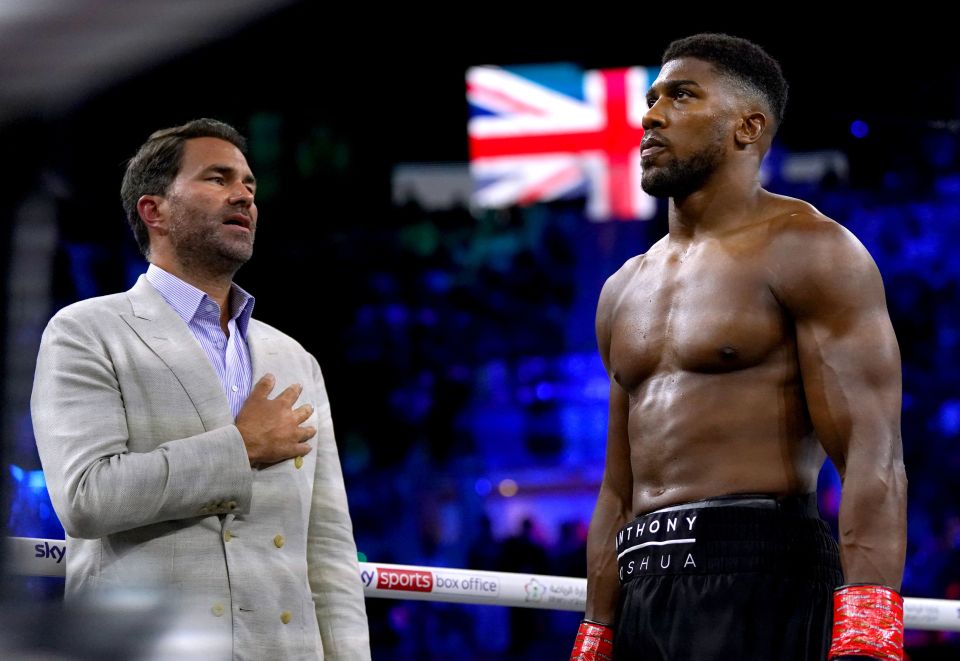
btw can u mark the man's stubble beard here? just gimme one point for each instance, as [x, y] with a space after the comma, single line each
[678, 179]
[200, 248]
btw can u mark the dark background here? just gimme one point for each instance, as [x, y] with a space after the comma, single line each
[458, 347]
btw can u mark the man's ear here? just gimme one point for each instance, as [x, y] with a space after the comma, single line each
[153, 212]
[751, 128]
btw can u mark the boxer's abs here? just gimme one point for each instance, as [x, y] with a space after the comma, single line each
[695, 436]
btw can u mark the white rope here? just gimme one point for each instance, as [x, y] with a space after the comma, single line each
[45, 557]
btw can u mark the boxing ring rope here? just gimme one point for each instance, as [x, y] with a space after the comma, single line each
[29, 556]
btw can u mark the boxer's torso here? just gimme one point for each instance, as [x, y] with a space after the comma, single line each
[708, 359]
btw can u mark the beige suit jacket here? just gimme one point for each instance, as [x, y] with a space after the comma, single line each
[150, 478]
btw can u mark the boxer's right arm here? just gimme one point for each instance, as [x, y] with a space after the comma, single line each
[613, 508]
[595, 638]
[612, 512]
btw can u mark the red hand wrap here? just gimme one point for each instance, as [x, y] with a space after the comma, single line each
[867, 620]
[594, 643]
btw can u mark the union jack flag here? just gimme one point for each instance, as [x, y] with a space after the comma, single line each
[545, 132]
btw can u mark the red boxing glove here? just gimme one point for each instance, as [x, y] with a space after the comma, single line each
[867, 621]
[594, 642]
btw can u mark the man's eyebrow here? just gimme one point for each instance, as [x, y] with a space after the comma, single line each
[226, 170]
[671, 85]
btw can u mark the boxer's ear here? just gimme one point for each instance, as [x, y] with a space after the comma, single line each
[750, 128]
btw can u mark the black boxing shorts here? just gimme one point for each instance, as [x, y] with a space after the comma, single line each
[740, 578]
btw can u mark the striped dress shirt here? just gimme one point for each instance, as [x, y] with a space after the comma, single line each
[228, 353]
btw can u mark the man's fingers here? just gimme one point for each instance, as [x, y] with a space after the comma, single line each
[306, 433]
[264, 386]
[302, 413]
[303, 449]
[290, 394]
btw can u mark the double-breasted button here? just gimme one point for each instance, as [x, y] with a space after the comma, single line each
[218, 610]
[227, 535]
[298, 462]
[285, 617]
[278, 541]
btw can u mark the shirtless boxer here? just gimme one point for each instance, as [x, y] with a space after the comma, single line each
[744, 347]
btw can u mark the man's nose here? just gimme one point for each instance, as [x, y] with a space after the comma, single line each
[241, 195]
[654, 117]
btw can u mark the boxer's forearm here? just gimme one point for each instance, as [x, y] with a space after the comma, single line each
[872, 523]
[603, 582]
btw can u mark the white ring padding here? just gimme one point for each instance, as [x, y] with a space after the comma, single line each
[28, 556]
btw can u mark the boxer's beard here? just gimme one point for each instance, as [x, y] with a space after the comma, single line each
[679, 178]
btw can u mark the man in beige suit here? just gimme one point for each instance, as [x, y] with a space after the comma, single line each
[167, 460]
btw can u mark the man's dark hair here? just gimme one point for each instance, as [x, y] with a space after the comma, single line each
[743, 61]
[157, 162]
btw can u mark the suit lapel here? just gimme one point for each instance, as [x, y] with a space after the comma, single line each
[161, 329]
[264, 355]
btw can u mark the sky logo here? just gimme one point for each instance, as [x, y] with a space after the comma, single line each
[48, 550]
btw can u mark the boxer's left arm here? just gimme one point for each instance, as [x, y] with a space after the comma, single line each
[850, 366]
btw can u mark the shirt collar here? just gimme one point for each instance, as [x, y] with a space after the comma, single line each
[186, 300]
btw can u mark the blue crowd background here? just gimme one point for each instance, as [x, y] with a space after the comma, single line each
[457, 343]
